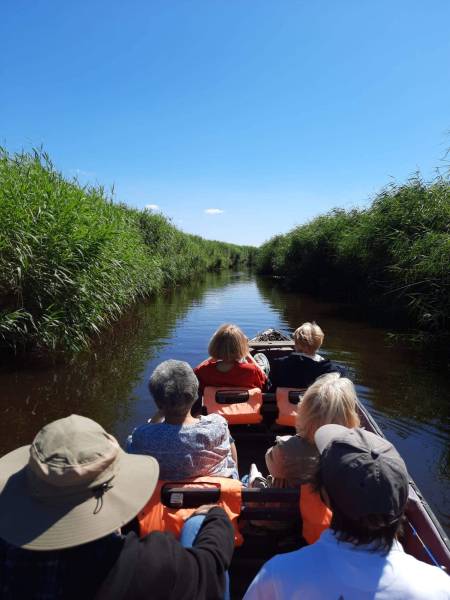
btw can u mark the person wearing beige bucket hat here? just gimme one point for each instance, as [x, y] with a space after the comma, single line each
[364, 481]
[63, 500]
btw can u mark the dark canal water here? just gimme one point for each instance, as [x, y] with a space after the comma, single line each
[406, 394]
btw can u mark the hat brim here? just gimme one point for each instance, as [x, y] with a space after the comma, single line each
[37, 525]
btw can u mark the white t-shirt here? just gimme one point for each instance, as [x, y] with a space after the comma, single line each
[333, 570]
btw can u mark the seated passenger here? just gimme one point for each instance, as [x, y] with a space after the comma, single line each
[185, 446]
[62, 502]
[365, 483]
[230, 362]
[303, 366]
[294, 458]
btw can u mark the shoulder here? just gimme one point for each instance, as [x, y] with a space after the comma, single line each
[293, 445]
[420, 575]
[205, 364]
[284, 440]
[291, 441]
[215, 420]
[213, 428]
[281, 360]
[245, 366]
[328, 366]
[143, 434]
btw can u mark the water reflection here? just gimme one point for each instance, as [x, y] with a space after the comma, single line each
[103, 383]
[404, 390]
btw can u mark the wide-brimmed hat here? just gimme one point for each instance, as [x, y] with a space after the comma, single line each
[362, 472]
[73, 485]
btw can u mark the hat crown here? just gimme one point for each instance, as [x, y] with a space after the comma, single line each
[362, 472]
[72, 452]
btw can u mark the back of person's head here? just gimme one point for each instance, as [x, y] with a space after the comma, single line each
[174, 387]
[366, 482]
[308, 338]
[330, 399]
[228, 343]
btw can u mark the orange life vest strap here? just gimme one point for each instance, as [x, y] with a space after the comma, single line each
[287, 412]
[316, 516]
[239, 413]
[155, 516]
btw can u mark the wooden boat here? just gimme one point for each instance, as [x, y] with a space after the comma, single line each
[424, 538]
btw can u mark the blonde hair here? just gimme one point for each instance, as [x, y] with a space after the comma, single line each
[228, 343]
[309, 337]
[330, 399]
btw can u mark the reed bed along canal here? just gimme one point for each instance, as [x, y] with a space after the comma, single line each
[406, 394]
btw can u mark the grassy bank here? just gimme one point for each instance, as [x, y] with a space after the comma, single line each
[71, 260]
[393, 257]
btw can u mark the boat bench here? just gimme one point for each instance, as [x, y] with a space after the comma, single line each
[242, 406]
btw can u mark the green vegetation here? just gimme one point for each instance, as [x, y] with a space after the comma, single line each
[393, 256]
[72, 260]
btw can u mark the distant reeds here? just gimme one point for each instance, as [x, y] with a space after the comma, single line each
[393, 257]
[72, 260]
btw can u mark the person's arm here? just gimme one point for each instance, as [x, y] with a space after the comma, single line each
[201, 385]
[249, 358]
[167, 570]
[263, 379]
[158, 566]
[234, 453]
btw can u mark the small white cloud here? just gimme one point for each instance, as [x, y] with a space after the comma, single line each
[81, 173]
[152, 206]
[214, 211]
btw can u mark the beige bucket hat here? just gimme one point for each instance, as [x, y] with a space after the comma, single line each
[73, 485]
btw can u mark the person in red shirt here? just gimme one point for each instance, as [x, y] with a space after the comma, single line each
[230, 361]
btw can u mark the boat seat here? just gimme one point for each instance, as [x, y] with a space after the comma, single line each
[174, 502]
[287, 400]
[239, 406]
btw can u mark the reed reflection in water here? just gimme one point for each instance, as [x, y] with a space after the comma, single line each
[404, 390]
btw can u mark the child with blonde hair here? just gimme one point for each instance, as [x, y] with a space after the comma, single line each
[303, 366]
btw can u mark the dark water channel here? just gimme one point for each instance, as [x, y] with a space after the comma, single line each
[407, 396]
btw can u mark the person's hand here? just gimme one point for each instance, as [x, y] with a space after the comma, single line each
[204, 509]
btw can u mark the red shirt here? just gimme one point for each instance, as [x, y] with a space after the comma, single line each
[241, 374]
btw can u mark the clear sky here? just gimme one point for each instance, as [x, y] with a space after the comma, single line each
[270, 111]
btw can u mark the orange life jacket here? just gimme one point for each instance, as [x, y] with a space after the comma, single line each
[287, 412]
[155, 516]
[245, 412]
[316, 516]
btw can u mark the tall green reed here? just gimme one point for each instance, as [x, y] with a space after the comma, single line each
[393, 256]
[72, 260]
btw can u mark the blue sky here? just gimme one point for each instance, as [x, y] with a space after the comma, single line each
[270, 111]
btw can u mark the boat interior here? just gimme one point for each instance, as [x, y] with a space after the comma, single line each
[270, 519]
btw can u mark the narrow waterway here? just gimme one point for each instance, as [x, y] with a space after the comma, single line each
[408, 396]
